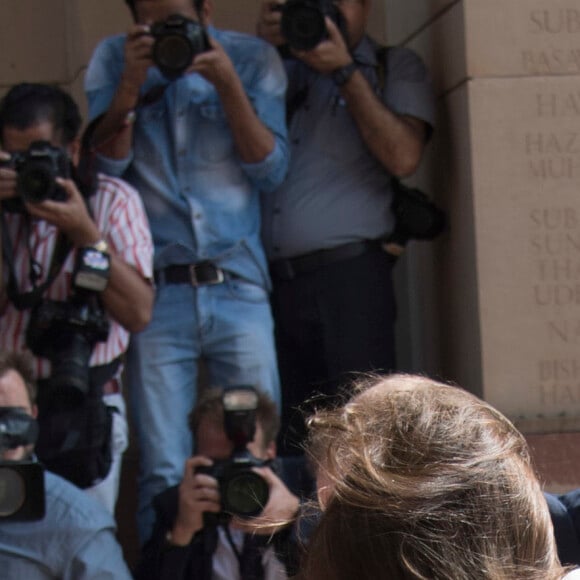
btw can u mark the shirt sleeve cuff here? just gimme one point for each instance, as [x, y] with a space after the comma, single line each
[114, 167]
[270, 172]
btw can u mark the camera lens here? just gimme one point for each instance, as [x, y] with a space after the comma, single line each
[245, 494]
[69, 381]
[36, 183]
[173, 53]
[12, 491]
[303, 25]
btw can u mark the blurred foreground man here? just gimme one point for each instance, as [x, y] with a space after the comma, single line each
[75, 540]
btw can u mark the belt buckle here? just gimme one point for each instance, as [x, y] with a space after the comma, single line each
[219, 276]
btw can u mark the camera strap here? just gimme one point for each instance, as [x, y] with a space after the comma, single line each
[24, 300]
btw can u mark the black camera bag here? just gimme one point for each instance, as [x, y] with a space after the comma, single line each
[75, 442]
[416, 216]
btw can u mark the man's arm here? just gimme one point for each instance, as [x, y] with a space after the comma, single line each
[113, 135]
[254, 141]
[128, 297]
[175, 550]
[397, 141]
[100, 557]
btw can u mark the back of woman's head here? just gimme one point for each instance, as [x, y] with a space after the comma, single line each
[425, 481]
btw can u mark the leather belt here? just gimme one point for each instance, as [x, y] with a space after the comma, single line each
[200, 274]
[287, 269]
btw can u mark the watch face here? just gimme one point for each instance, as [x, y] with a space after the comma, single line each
[92, 269]
[341, 75]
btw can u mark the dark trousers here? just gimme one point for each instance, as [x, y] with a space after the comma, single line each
[330, 324]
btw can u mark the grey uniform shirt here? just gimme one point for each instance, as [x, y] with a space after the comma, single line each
[336, 192]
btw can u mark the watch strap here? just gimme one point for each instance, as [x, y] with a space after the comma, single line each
[341, 75]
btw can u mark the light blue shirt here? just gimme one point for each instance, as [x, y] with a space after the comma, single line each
[201, 199]
[75, 540]
[337, 191]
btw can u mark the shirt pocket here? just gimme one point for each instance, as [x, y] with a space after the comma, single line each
[214, 141]
[153, 113]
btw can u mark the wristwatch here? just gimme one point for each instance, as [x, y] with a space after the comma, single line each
[341, 75]
[92, 267]
[100, 245]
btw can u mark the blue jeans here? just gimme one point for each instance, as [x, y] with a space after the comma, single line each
[230, 326]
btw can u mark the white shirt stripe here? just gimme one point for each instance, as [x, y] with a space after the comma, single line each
[121, 219]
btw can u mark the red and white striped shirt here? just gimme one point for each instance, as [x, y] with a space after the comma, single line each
[121, 219]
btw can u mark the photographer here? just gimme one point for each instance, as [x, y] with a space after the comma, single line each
[193, 117]
[75, 540]
[76, 273]
[192, 538]
[359, 115]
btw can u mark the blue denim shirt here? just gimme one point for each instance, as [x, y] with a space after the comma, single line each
[201, 199]
[74, 541]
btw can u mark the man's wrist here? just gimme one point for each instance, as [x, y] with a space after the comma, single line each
[342, 75]
[129, 89]
[179, 536]
[172, 542]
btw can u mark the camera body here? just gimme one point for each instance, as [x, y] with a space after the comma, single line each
[66, 333]
[177, 41]
[303, 24]
[37, 170]
[22, 496]
[243, 492]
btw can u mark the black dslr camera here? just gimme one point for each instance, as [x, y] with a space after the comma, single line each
[21, 482]
[37, 171]
[66, 332]
[416, 218]
[243, 492]
[303, 23]
[177, 41]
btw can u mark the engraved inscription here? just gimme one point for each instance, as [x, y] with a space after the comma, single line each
[554, 22]
[555, 250]
[551, 150]
[557, 106]
[556, 61]
[561, 395]
[564, 331]
[559, 381]
[554, 155]
[555, 246]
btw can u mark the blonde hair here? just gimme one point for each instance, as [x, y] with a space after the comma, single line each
[427, 482]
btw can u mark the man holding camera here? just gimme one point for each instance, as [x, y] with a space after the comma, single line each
[358, 116]
[76, 273]
[193, 117]
[75, 537]
[195, 535]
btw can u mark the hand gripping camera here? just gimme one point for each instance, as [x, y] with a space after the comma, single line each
[37, 170]
[303, 23]
[21, 482]
[243, 492]
[177, 41]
